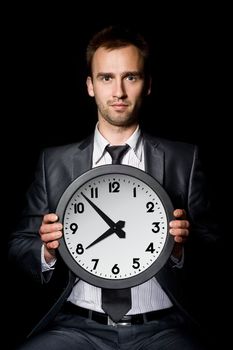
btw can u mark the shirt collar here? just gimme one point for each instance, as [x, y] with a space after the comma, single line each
[134, 141]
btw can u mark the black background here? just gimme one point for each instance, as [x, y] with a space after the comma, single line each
[46, 104]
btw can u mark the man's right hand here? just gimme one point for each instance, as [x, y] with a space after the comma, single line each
[50, 233]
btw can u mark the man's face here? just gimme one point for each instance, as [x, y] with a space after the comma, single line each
[117, 84]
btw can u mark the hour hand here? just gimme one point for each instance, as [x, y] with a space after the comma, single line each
[118, 226]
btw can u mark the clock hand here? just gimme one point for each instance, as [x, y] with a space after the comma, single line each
[117, 228]
[120, 224]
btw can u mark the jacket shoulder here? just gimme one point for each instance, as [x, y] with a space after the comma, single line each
[67, 150]
[178, 147]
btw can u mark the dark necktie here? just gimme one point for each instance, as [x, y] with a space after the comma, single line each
[116, 302]
[117, 152]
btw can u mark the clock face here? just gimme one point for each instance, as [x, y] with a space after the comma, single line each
[115, 226]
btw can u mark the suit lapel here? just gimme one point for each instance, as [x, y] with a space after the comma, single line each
[154, 159]
[82, 160]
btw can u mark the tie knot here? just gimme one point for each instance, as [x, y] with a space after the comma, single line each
[117, 152]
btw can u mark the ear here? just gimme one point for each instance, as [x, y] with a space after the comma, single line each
[148, 86]
[90, 88]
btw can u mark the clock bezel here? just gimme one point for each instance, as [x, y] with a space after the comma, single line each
[143, 276]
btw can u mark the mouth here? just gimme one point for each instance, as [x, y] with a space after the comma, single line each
[119, 106]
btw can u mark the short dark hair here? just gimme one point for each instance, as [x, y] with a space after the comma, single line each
[117, 36]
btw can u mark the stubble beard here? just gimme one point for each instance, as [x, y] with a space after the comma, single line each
[117, 118]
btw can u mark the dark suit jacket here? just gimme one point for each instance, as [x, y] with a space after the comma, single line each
[176, 166]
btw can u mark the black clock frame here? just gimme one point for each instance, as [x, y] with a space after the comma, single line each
[168, 245]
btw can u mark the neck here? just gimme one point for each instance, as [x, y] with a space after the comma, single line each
[116, 135]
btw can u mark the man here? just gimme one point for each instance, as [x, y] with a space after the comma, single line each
[119, 79]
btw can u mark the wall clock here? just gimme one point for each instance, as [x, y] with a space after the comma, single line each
[115, 226]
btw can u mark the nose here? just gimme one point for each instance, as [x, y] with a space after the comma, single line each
[119, 89]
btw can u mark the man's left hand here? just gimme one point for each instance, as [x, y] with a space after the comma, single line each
[179, 229]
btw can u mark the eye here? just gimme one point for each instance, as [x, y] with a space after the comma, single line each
[106, 78]
[132, 77]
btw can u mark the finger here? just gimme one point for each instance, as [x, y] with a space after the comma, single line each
[179, 214]
[179, 232]
[179, 239]
[48, 228]
[53, 236]
[48, 218]
[179, 224]
[52, 245]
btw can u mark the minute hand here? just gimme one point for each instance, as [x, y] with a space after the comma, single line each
[115, 226]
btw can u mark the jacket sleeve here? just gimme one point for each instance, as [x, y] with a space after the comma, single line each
[204, 228]
[25, 243]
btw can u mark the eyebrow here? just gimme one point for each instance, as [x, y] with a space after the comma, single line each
[123, 74]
